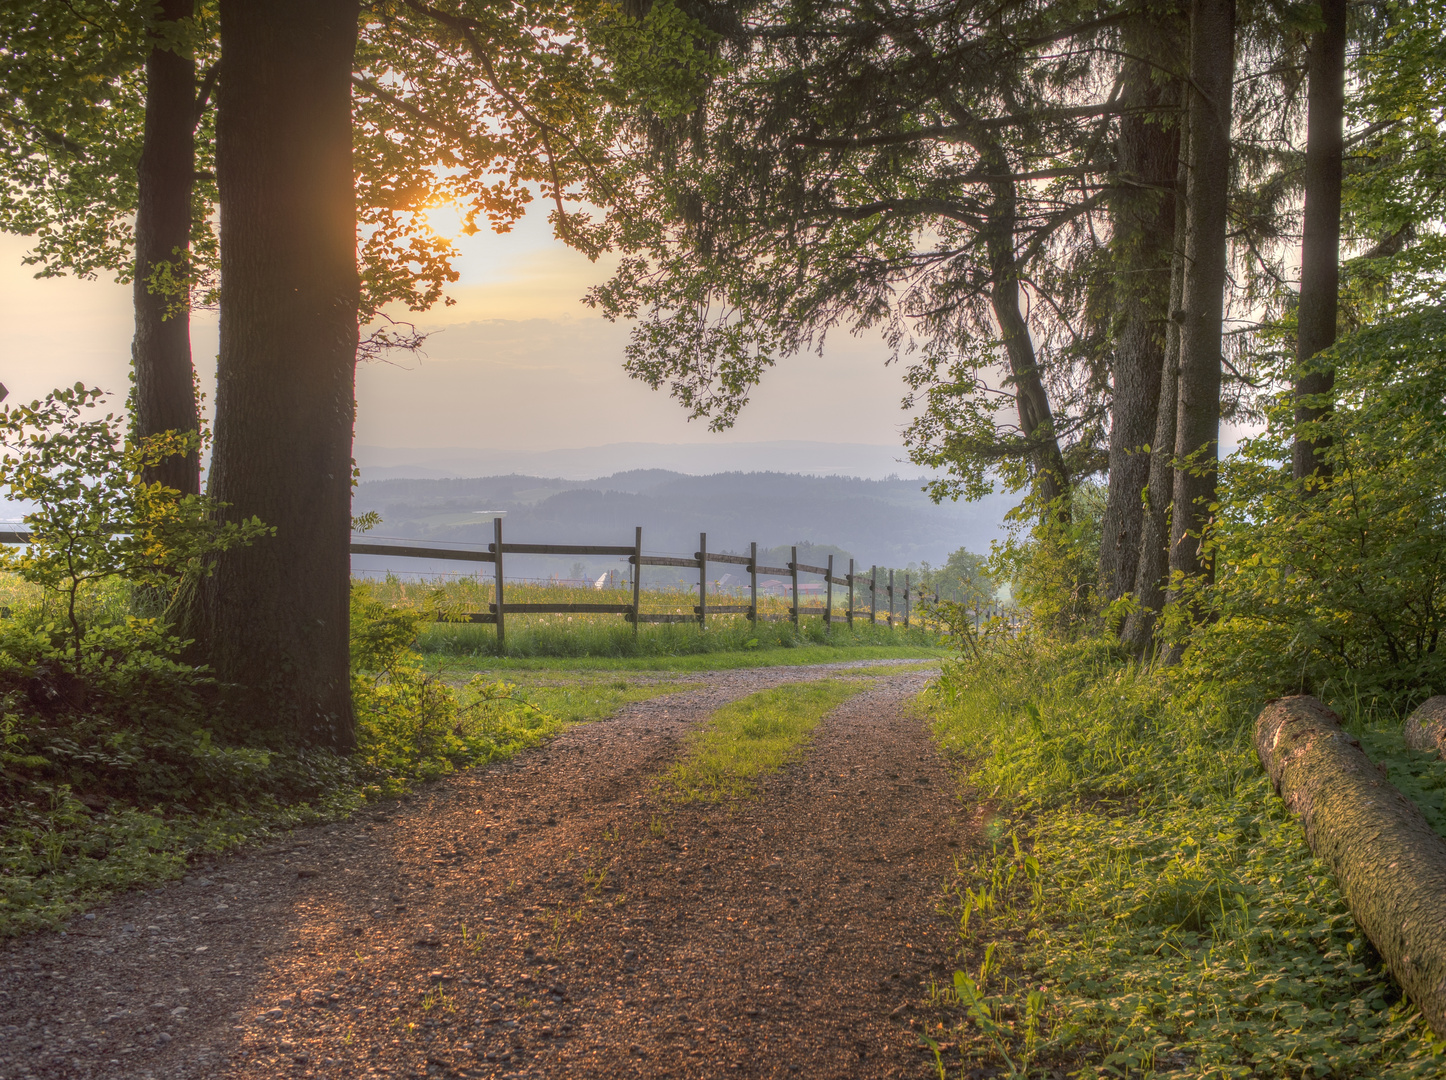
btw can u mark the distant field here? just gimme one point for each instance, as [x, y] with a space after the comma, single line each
[613, 638]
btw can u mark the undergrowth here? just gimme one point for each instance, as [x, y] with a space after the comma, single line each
[1146, 906]
[116, 772]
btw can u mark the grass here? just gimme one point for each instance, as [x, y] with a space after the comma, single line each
[750, 738]
[715, 661]
[580, 635]
[1146, 906]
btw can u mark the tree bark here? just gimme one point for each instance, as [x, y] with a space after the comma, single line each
[165, 388]
[1036, 418]
[275, 614]
[1154, 563]
[1143, 223]
[1426, 727]
[1321, 239]
[1197, 429]
[1388, 861]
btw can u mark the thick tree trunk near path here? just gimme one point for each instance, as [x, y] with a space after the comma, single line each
[1320, 276]
[1390, 864]
[1153, 567]
[1197, 428]
[1142, 216]
[165, 389]
[1426, 727]
[275, 614]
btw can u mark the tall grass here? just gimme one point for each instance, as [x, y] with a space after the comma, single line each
[1146, 906]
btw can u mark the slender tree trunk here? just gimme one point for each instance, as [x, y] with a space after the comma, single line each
[1154, 561]
[275, 614]
[1036, 418]
[1321, 242]
[165, 390]
[1143, 222]
[1197, 431]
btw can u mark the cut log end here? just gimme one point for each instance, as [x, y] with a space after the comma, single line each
[1426, 727]
[1389, 862]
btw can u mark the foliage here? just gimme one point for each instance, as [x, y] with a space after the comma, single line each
[1342, 579]
[964, 578]
[459, 104]
[751, 738]
[72, 104]
[1052, 563]
[1145, 881]
[1396, 177]
[95, 515]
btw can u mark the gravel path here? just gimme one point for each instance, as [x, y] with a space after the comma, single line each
[543, 918]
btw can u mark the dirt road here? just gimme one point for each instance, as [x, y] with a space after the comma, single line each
[545, 918]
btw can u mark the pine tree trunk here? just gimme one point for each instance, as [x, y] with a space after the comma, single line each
[1036, 418]
[275, 615]
[1154, 562]
[1321, 242]
[165, 390]
[1197, 429]
[1143, 223]
[1388, 861]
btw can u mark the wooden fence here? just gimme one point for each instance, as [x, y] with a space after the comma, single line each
[499, 610]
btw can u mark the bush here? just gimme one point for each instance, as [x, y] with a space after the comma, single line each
[1343, 580]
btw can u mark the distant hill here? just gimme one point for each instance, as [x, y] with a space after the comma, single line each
[889, 522]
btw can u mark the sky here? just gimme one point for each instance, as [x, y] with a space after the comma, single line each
[519, 362]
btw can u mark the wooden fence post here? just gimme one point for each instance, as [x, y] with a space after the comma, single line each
[753, 583]
[637, 580]
[874, 596]
[501, 626]
[702, 578]
[851, 594]
[828, 599]
[906, 601]
[793, 566]
[891, 598]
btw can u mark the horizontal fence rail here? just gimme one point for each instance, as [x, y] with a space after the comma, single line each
[498, 611]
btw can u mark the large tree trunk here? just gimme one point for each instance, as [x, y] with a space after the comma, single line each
[275, 614]
[1321, 242]
[1143, 223]
[165, 390]
[1388, 861]
[1197, 428]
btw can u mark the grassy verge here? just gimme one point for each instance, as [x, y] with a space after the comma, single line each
[715, 661]
[752, 737]
[1146, 907]
[59, 854]
[563, 636]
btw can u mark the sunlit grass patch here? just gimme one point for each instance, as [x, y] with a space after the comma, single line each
[750, 738]
[1148, 907]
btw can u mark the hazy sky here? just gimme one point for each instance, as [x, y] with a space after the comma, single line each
[518, 362]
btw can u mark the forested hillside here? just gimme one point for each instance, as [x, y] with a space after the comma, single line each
[889, 522]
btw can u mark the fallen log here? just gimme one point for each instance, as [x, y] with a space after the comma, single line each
[1426, 727]
[1388, 861]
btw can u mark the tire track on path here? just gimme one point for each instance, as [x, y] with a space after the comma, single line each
[605, 935]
